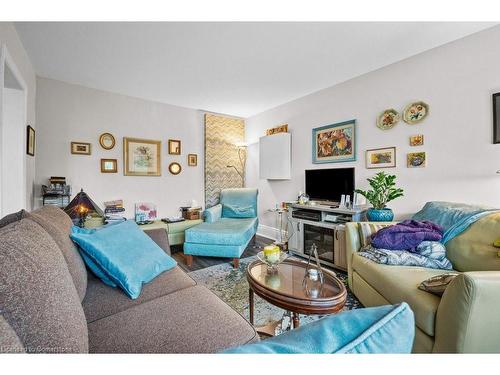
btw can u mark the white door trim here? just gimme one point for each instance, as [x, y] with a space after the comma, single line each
[7, 60]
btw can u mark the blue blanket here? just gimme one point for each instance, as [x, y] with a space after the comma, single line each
[454, 218]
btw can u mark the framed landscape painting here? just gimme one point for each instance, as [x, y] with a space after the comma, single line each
[334, 143]
[141, 157]
[381, 158]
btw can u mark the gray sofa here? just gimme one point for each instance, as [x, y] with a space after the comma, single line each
[49, 303]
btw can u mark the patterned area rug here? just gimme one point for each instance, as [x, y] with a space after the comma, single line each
[232, 287]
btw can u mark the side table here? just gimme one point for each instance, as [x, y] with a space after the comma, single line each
[175, 231]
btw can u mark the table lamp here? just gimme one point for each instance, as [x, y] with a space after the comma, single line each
[80, 207]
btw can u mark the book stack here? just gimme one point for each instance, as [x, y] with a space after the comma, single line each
[114, 211]
[56, 193]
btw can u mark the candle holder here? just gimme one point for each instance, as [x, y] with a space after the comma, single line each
[313, 277]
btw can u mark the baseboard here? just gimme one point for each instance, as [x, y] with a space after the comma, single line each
[268, 232]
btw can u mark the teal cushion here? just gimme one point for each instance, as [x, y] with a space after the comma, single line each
[235, 211]
[385, 329]
[211, 250]
[241, 197]
[213, 213]
[97, 270]
[226, 231]
[124, 253]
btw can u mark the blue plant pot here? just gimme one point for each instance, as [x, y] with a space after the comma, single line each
[384, 214]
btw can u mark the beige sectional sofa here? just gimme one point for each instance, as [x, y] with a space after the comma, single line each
[466, 318]
[50, 303]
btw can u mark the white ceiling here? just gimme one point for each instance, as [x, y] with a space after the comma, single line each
[234, 68]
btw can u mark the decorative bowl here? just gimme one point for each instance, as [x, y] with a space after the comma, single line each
[272, 262]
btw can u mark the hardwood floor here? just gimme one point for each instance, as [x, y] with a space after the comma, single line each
[204, 262]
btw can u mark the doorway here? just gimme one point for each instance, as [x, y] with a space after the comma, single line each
[12, 136]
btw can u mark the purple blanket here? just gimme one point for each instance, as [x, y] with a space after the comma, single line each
[406, 235]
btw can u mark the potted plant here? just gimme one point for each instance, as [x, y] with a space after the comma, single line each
[383, 191]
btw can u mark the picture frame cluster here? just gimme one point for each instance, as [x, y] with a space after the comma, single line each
[141, 157]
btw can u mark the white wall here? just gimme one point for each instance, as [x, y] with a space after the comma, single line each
[456, 80]
[9, 37]
[67, 112]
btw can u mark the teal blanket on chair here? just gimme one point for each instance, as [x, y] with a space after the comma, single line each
[453, 217]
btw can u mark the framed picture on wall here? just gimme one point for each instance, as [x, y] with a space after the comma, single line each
[381, 158]
[80, 148]
[192, 160]
[109, 166]
[496, 117]
[141, 157]
[30, 141]
[334, 143]
[174, 147]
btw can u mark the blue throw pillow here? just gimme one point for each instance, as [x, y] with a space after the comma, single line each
[229, 210]
[124, 254]
[385, 329]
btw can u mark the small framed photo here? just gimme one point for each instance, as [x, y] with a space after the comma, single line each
[80, 148]
[30, 141]
[416, 159]
[174, 147]
[416, 140]
[381, 158]
[192, 160]
[109, 166]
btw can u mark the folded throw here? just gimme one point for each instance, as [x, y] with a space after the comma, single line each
[429, 254]
[406, 235]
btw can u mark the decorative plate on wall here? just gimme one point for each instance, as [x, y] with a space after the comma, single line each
[107, 141]
[415, 112]
[174, 168]
[388, 119]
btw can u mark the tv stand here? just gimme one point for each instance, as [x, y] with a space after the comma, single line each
[325, 227]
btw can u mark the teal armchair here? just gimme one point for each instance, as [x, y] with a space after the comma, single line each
[227, 229]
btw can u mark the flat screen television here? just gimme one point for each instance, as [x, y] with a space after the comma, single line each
[329, 184]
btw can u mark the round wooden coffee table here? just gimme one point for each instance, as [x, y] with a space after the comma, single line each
[284, 288]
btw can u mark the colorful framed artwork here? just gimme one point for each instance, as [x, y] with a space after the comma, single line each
[141, 157]
[388, 119]
[107, 141]
[174, 147]
[416, 140]
[80, 148]
[30, 141]
[145, 212]
[174, 168]
[109, 166]
[416, 159]
[415, 112]
[381, 158]
[334, 143]
[192, 160]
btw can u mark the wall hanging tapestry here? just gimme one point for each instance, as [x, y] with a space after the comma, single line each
[224, 157]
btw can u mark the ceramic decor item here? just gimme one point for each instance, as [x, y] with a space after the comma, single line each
[415, 112]
[388, 119]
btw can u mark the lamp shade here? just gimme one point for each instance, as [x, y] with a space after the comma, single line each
[82, 205]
